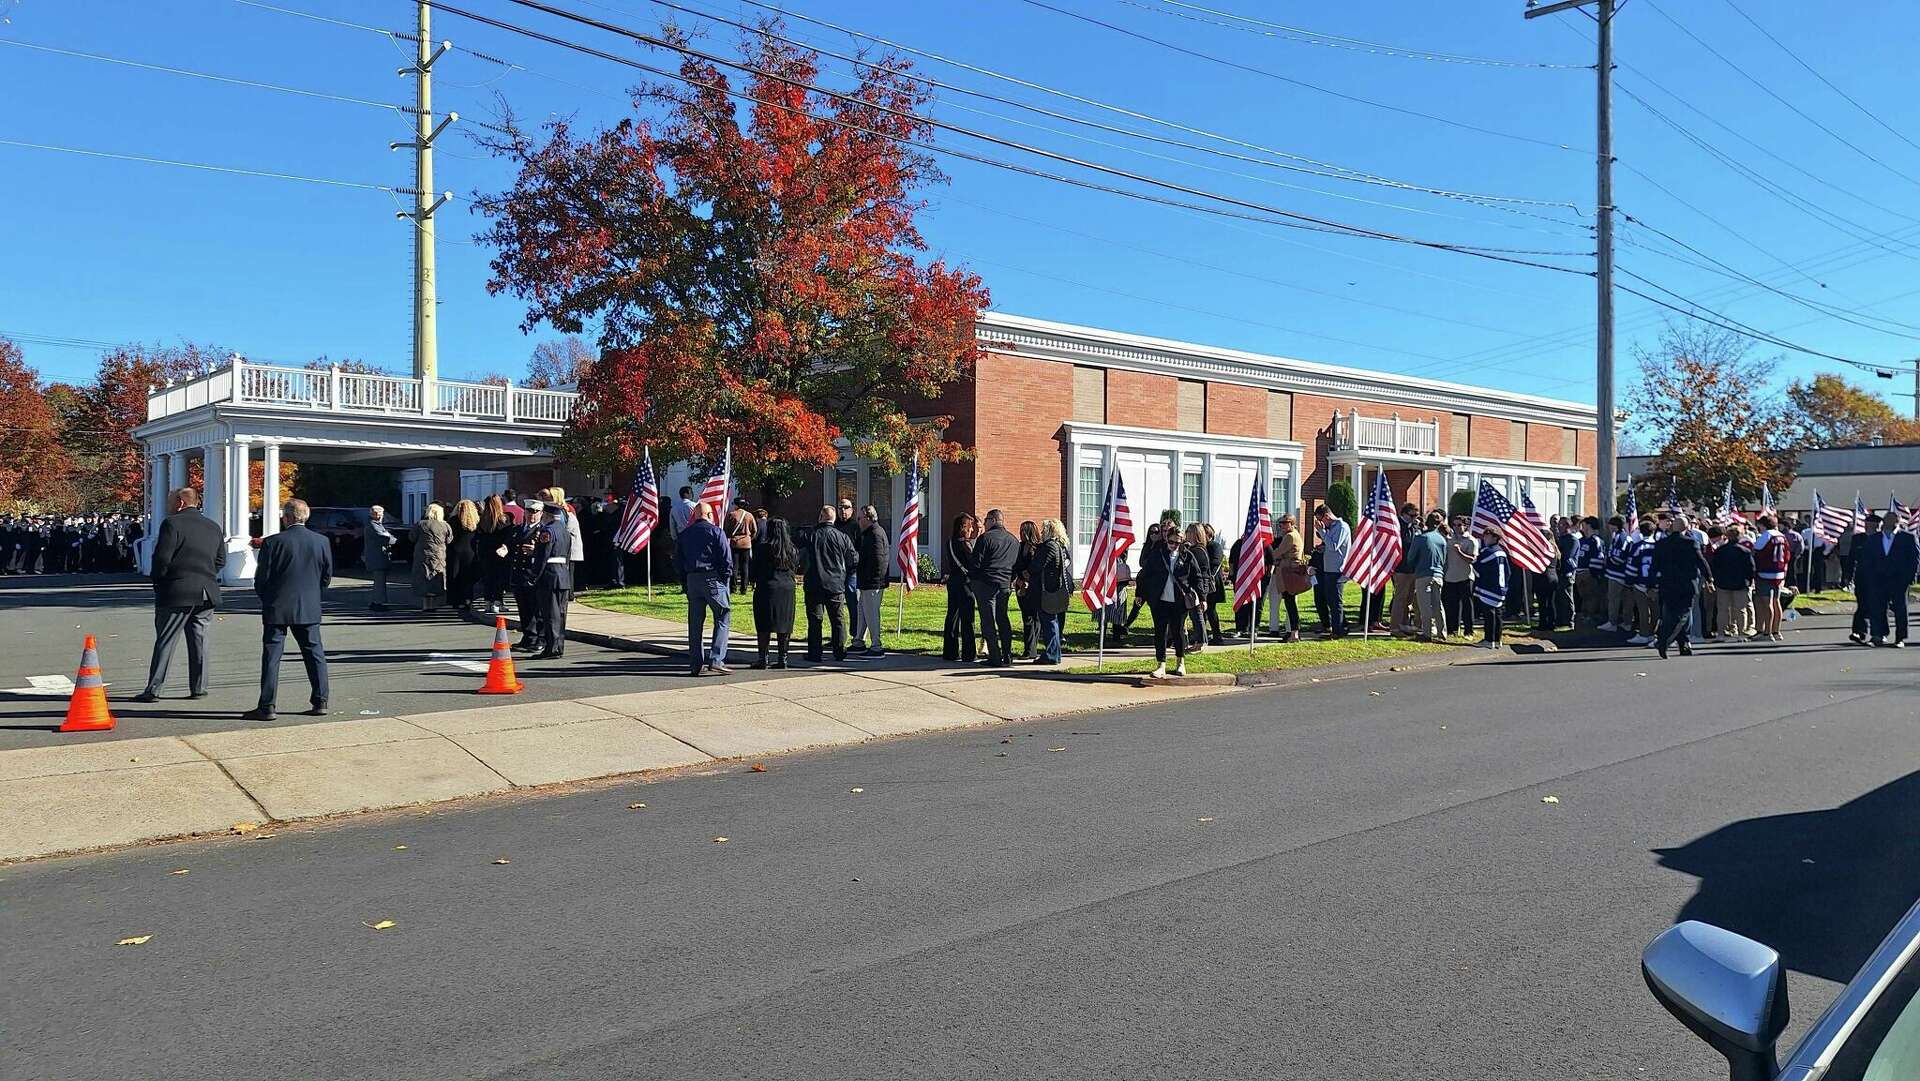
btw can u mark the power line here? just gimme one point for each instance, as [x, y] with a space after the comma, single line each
[1338, 171]
[1811, 70]
[198, 165]
[203, 75]
[316, 18]
[1725, 322]
[1290, 80]
[1304, 36]
[1293, 219]
[1764, 88]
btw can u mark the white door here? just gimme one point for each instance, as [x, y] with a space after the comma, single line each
[1228, 490]
[1148, 476]
[416, 488]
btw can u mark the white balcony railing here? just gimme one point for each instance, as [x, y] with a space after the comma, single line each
[1385, 435]
[332, 390]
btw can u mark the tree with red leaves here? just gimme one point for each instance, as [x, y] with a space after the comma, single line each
[754, 273]
[115, 403]
[34, 466]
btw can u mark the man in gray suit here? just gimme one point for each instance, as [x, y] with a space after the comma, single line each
[375, 540]
[296, 564]
[187, 557]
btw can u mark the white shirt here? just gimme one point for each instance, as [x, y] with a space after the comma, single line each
[681, 513]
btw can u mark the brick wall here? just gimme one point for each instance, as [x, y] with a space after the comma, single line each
[1236, 410]
[1490, 437]
[1543, 443]
[1019, 404]
[1312, 423]
[1141, 400]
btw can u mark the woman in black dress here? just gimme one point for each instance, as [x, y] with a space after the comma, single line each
[1024, 591]
[774, 562]
[492, 553]
[461, 559]
[958, 642]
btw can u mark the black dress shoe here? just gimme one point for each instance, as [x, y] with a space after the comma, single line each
[146, 696]
[197, 694]
[258, 713]
[1686, 650]
[317, 710]
[548, 655]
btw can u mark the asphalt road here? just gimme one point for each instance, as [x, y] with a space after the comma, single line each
[1357, 880]
[379, 664]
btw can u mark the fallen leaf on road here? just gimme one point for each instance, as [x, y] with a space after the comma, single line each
[502, 862]
[1373, 694]
[757, 768]
[856, 791]
[178, 871]
[721, 840]
[1549, 799]
[1316, 679]
[399, 848]
[137, 940]
[635, 806]
[1003, 754]
[1641, 674]
[245, 827]
[1056, 748]
[1846, 668]
[381, 926]
[1203, 820]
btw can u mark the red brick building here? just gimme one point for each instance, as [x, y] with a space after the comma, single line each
[1190, 427]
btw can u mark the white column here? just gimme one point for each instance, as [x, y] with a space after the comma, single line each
[1355, 476]
[213, 477]
[270, 490]
[177, 470]
[238, 490]
[159, 472]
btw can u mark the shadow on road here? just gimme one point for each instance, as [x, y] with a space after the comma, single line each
[1822, 887]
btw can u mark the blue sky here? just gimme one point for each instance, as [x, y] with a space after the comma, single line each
[101, 250]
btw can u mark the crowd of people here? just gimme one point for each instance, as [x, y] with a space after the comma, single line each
[69, 543]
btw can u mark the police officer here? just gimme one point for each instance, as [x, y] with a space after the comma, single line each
[527, 563]
[554, 588]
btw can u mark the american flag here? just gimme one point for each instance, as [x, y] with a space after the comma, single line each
[906, 551]
[643, 509]
[1829, 521]
[714, 493]
[1730, 512]
[1376, 548]
[1859, 514]
[1766, 498]
[1673, 494]
[1908, 517]
[1632, 513]
[1528, 546]
[1111, 539]
[1255, 538]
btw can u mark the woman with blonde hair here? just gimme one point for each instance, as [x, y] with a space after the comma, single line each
[1051, 579]
[462, 558]
[431, 536]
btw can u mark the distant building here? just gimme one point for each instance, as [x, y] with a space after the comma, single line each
[1837, 472]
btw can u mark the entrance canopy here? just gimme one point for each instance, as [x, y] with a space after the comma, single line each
[332, 417]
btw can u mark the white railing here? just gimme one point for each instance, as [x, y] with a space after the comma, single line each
[1386, 435]
[333, 390]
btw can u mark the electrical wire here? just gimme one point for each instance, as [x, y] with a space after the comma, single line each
[1341, 171]
[1811, 70]
[316, 18]
[1725, 322]
[204, 75]
[1290, 219]
[198, 165]
[1264, 28]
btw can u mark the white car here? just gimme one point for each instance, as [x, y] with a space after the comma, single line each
[1732, 993]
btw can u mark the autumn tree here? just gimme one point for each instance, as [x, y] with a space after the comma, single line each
[754, 271]
[1828, 411]
[561, 362]
[115, 403]
[1703, 402]
[34, 465]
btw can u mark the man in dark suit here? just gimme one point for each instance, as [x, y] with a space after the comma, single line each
[187, 557]
[992, 580]
[296, 564]
[1884, 566]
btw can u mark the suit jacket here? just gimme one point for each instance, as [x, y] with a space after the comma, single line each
[1891, 570]
[187, 557]
[295, 565]
[994, 555]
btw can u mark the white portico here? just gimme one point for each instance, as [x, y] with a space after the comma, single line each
[229, 416]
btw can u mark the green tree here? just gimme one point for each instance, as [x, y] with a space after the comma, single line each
[1460, 504]
[1701, 399]
[1341, 501]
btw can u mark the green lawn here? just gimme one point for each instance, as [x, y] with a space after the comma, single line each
[1281, 657]
[926, 613]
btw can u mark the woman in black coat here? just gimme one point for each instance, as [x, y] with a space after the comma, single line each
[775, 561]
[462, 561]
[1168, 575]
[1028, 595]
[958, 641]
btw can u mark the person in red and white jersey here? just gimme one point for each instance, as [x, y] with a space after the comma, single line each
[1770, 559]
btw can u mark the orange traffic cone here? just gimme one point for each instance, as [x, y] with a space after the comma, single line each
[87, 709]
[500, 677]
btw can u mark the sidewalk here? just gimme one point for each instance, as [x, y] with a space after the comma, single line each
[82, 796]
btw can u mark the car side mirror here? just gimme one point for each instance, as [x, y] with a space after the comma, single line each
[1727, 989]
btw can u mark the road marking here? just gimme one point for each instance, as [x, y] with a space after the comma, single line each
[47, 685]
[457, 661]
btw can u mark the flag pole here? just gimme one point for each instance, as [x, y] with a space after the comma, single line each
[900, 627]
[649, 568]
[1100, 657]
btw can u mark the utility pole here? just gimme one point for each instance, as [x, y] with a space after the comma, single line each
[426, 349]
[1604, 468]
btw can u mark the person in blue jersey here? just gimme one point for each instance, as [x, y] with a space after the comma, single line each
[1490, 584]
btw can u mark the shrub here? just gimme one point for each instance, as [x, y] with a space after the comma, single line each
[1341, 501]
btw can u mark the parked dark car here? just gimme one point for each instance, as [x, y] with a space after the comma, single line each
[345, 529]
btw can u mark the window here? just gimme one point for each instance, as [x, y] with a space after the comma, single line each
[880, 495]
[1092, 492]
[1190, 483]
[1545, 495]
[1280, 487]
[1090, 395]
[1573, 504]
[846, 485]
[1279, 415]
[1190, 414]
[1569, 445]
